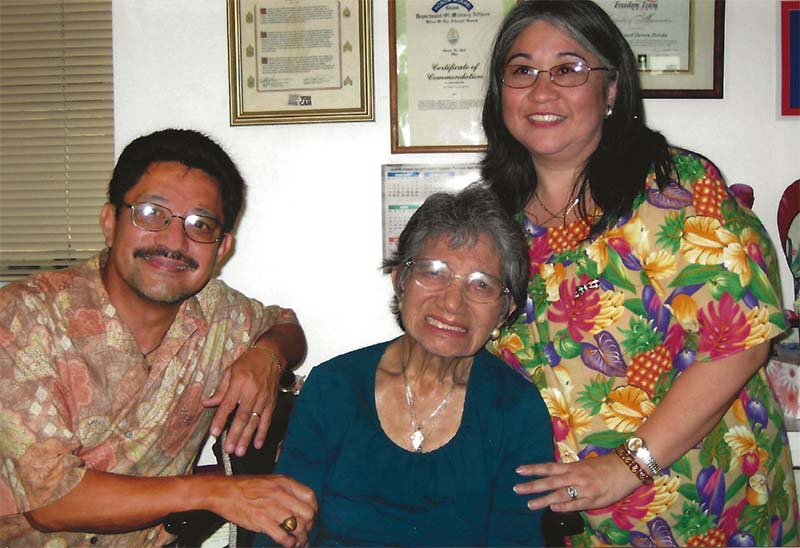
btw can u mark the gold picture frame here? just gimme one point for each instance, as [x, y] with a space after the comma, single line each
[679, 45]
[300, 61]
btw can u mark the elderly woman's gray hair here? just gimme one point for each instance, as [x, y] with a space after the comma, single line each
[463, 217]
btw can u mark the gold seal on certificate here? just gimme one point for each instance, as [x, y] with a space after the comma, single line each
[439, 67]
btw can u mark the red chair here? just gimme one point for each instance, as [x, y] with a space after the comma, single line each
[789, 233]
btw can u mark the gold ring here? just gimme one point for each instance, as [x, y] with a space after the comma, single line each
[255, 414]
[572, 492]
[289, 524]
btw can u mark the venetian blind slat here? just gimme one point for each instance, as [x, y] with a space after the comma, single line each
[56, 131]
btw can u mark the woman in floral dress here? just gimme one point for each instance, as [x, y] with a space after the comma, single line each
[653, 298]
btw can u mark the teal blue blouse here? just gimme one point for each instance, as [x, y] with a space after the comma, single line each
[372, 492]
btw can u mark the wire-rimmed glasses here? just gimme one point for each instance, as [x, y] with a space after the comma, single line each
[154, 218]
[566, 75]
[435, 275]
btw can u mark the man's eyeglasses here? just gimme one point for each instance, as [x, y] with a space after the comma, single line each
[154, 217]
[435, 275]
[568, 75]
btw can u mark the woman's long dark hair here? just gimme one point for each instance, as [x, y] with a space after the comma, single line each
[616, 171]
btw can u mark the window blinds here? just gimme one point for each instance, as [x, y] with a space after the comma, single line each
[56, 131]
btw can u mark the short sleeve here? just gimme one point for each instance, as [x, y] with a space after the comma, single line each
[220, 303]
[527, 439]
[710, 263]
[38, 447]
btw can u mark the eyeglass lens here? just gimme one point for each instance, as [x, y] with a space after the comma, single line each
[436, 275]
[154, 217]
[566, 75]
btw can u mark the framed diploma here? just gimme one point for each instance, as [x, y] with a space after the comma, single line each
[300, 61]
[438, 64]
[678, 44]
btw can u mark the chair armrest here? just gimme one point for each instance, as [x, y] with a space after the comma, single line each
[194, 527]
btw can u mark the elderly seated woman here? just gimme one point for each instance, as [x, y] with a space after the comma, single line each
[415, 441]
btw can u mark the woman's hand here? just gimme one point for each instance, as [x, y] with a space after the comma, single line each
[598, 482]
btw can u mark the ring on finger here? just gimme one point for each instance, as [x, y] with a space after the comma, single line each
[289, 524]
[255, 414]
[572, 492]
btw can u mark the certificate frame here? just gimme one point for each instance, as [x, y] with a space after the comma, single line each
[348, 99]
[402, 78]
[706, 45]
[790, 58]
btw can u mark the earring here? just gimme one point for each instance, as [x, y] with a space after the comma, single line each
[609, 111]
[495, 334]
[399, 305]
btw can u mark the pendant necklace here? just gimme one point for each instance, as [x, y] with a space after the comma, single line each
[562, 214]
[565, 211]
[417, 437]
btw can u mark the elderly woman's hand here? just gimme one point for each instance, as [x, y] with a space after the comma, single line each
[597, 482]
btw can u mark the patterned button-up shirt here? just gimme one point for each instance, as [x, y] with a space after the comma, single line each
[77, 393]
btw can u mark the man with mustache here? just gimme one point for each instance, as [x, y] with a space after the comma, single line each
[110, 371]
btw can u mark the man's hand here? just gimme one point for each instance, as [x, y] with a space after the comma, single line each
[249, 385]
[262, 503]
[107, 503]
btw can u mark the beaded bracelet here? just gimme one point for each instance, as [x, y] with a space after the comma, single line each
[269, 351]
[628, 459]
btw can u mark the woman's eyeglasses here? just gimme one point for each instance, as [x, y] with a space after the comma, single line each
[567, 75]
[154, 218]
[435, 275]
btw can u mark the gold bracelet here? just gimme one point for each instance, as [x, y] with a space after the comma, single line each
[269, 351]
[628, 459]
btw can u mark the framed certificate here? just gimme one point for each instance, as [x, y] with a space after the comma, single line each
[300, 61]
[678, 45]
[438, 64]
[790, 58]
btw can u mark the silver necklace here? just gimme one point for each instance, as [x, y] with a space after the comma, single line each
[417, 437]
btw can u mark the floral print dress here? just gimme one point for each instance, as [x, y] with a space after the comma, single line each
[688, 277]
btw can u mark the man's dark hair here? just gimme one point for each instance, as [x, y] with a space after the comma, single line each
[192, 149]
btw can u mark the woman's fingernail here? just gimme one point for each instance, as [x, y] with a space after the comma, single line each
[516, 490]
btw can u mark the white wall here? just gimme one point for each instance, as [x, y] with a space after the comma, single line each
[310, 237]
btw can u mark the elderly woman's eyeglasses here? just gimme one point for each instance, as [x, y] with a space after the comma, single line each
[154, 218]
[435, 275]
[568, 75]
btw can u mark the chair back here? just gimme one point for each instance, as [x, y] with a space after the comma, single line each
[789, 233]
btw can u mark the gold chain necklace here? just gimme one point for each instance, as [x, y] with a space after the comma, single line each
[563, 213]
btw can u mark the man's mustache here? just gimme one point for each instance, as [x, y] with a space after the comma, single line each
[149, 253]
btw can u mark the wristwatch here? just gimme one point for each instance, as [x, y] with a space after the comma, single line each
[637, 448]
